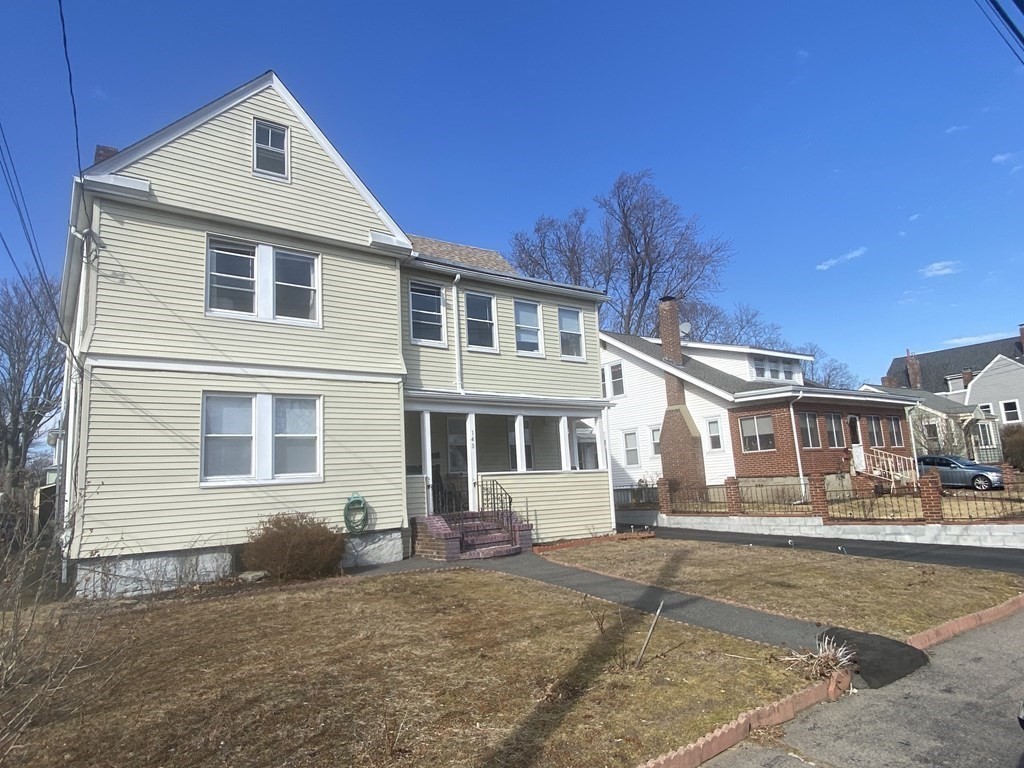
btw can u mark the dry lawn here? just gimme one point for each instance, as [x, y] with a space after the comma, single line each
[457, 668]
[891, 598]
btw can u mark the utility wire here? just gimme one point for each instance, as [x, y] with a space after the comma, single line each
[1007, 22]
[1002, 31]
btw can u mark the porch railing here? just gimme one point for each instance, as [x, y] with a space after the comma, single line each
[496, 504]
[893, 467]
[449, 498]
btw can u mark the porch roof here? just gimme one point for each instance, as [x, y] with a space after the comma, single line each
[498, 403]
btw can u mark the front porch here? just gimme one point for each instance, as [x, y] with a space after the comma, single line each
[485, 483]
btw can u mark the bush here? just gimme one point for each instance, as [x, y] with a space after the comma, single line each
[294, 545]
[1013, 445]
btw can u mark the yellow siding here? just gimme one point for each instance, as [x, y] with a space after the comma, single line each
[142, 468]
[150, 301]
[209, 169]
[561, 505]
[416, 495]
[506, 372]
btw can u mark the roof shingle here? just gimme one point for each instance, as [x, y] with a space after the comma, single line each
[461, 254]
[935, 366]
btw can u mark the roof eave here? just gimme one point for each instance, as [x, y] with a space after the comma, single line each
[433, 264]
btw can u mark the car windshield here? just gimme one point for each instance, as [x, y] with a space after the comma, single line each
[962, 461]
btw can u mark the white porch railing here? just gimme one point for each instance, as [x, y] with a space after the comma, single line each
[893, 467]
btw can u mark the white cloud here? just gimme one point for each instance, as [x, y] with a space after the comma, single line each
[1004, 157]
[977, 339]
[902, 233]
[956, 129]
[802, 54]
[829, 263]
[940, 268]
[1017, 169]
[915, 217]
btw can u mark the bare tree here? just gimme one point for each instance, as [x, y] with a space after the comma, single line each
[743, 325]
[826, 371]
[642, 248]
[31, 368]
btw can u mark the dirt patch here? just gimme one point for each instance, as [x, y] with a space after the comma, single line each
[454, 668]
[890, 598]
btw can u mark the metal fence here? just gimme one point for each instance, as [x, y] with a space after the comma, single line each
[703, 500]
[964, 504]
[636, 497]
[903, 505]
[776, 498]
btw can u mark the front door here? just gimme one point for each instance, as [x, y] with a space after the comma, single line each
[856, 447]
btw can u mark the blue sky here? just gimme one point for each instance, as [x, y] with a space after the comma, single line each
[866, 159]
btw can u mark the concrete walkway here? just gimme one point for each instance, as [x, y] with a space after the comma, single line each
[730, 619]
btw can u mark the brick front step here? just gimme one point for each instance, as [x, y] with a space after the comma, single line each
[476, 527]
[478, 540]
[499, 551]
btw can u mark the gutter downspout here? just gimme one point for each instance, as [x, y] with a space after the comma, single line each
[796, 446]
[913, 439]
[458, 335]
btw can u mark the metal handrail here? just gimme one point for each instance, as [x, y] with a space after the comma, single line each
[890, 466]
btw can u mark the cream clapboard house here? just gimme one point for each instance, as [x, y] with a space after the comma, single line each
[253, 333]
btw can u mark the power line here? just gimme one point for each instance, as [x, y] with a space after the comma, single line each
[1008, 27]
[71, 85]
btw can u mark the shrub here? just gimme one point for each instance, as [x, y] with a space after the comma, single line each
[1013, 445]
[294, 545]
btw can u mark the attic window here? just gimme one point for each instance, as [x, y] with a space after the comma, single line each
[270, 153]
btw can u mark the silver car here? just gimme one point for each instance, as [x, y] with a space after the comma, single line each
[956, 471]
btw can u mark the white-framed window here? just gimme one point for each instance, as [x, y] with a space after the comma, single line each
[757, 434]
[426, 314]
[604, 384]
[262, 282]
[834, 430]
[875, 431]
[656, 441]
[481, 328]
[807, 424]
[985, 435]
[931, 431]
[527, 440]
[895, 429]
[631, 448]
[714, 434]
[257, 438]
[570, 333]
[777, 368]
[269, 149]
[529, 333]
[1011, 410]
[986, 408]
[615, 377]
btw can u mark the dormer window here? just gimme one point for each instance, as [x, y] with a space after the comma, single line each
[777, 368]
[270, 149]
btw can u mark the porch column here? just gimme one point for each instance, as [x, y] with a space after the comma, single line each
[563, 440]
[520, 443]
[427, 458]
[602, 442]
[471, 462]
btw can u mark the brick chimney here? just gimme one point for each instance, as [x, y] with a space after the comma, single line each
[1020, 330]
[668, 329]
[913, 371]
[889, 381]
[102, 153]
[966, 374]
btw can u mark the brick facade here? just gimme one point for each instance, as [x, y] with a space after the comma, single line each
[781, 462]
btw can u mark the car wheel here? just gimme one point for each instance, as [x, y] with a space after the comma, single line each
[981, 483]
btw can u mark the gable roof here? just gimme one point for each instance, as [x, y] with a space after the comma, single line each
[461, 254]
[269, 79]
[937, 365]
[928, 399]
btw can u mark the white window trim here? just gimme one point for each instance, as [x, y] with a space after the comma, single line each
[443, 343]
[759, 449]
[840, 434]
[263, 271]
[540, 328]
[986, 408]
[583, 335]
[510, 427]
[262, 442]
[817, 431]
[626, 449]
[895, 430]
[1002, 412]
[721, 435]
[270, 176]
[653, 428]
[494, 350]
[611, 379]
[985, 436]
[871, 420]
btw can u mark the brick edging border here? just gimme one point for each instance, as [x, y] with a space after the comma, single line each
[731, 734]
[540, 549]
[935, 635]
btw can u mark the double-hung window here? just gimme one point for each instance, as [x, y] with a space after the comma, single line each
[480, 329]
[834, 430]
[632, 449]
[986, 408]
[714, 434]
[875, 431]
[262, 282]
[570, 332]
[656, 441]
[895, 429]
[985, 435]
[528, 332]
[615, 376]
[270, 149]
[1011, 411]
[426, 314]
[808, 425]
[260, 437]
[757, 434]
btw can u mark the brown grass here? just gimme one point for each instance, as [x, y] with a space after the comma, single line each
[458, 668]
[891, 598]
